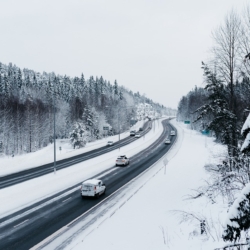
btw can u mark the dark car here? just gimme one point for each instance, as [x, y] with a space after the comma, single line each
[140, 129]
[132, 133]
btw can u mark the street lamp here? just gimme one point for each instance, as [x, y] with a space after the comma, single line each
[54, 105]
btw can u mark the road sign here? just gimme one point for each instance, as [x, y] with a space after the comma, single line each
[205, 132]
[187, 122]
[165, 161]
[105, 128]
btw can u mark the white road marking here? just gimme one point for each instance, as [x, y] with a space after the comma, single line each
[20, 223]
[46, 203]
[66, 199]
[38, 207]
[107, 172]
[47, 240]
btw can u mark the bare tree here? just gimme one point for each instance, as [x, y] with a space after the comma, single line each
[245, 41]
[227, 61]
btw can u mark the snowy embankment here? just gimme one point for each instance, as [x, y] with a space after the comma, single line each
[27, 193]
[148, 214]
[18, 163]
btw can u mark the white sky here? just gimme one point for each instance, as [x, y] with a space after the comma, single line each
[151, 46]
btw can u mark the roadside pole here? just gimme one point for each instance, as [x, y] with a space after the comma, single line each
[118, 126]
[54, 104]
[165, 162]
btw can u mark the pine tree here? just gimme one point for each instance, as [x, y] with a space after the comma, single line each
[120, 95]
[116, 88]
[239, 213]
[83, 84]
[91, 92]
[6, 87]
[221, 119]
[1, 86]
[34, 81]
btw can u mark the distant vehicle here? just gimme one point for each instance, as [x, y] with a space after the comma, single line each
[132, 133]
[122, 160]
[137, 135]
[172, 132]
[110, 143]
[167, 141]
[140, 129]
[93, 188]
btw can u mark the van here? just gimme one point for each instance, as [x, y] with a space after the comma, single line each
[92, 188]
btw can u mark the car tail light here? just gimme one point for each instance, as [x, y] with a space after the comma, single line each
[95, 188]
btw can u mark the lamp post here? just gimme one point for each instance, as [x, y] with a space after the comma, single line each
[118, 126]
[54, 106]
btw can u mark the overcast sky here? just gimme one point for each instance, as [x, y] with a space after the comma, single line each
[151, 46]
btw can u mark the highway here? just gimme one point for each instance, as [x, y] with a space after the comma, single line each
[28, 227]
[28, 174]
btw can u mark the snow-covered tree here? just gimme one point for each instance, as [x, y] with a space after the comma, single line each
[77, 136]
[245, 131]
[221, 119]
[238, 218]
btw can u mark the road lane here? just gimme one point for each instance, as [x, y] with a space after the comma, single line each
[45, 220]
[15, 178]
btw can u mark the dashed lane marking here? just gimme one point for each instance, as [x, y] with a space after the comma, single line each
[66, 199]
[21, 223]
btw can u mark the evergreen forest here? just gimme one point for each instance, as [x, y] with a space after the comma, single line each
[29, 101]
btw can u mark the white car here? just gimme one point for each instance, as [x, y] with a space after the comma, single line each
[92, 188]
[137, 135]
[122, 160]
[167, 141]
[110, 143]
[172, 132]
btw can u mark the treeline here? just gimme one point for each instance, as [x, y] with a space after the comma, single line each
[28, 98]
[198, 103]
[222, 106]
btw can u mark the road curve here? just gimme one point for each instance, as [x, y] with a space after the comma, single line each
[31, 225]
[15, 178]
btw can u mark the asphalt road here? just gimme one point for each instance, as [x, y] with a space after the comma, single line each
[31, 225]
[28, 174]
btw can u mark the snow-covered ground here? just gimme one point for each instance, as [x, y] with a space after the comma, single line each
[18, 163]
[13, 199]
[148, 213]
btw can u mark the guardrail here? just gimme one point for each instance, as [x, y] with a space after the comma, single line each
[236, 246]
